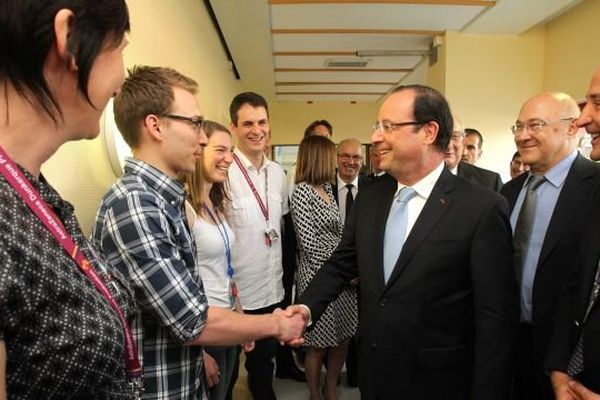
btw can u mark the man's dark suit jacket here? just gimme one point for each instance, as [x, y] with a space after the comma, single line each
[362, 180]
[480, 176]
[444, 324]
[559, 248]
[570, 315]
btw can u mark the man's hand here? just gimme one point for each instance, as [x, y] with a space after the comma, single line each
[291, 327]
[581, 392]
[560, 384]
[211, 370]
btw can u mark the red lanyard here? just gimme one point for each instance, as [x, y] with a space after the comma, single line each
[264, 208]
[32, 198]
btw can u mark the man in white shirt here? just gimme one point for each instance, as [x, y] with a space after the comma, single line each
[258, 202]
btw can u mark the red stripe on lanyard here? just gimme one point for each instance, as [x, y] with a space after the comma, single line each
[32, 198]
[263, 208]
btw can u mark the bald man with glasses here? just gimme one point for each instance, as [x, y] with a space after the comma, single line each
[546, 218]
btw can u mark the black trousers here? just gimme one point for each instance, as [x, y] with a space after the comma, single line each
[530, 382]
[259, 363]
[285, 359]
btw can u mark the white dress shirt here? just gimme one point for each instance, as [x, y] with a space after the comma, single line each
[423, 189]
[258, 269]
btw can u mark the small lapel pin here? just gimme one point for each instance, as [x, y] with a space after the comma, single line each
[443, 201]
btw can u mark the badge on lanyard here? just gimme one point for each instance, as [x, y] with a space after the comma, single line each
[270, 236]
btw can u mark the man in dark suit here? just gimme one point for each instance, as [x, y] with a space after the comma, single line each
[578, 314]
[453, 156]
[348, 177]
[480, 176]
[377, 173]
[546, 137]
[438, 319]
[345, 189]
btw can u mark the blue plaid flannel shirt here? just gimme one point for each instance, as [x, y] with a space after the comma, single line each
[141, 229]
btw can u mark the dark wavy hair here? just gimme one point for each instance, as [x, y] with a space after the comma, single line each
[27, 35]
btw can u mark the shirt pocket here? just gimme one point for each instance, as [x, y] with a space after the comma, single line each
[245, 211]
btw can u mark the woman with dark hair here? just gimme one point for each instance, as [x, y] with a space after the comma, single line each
[63, 310]
[319, 230]
[208, 195]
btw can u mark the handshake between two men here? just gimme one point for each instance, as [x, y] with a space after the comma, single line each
[292, 323]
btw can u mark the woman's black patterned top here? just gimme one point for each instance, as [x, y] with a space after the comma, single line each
[63, 340]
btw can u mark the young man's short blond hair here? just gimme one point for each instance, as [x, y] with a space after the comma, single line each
[147, 90]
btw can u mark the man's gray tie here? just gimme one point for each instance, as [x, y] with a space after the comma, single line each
[575, 365]
[524, 224]
[395, 230]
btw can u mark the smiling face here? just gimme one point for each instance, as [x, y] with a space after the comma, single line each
[349, 159]
[590, 115]
[400, 149]
[218, 156]
[548, 133]
[454, 151]
[252, 129]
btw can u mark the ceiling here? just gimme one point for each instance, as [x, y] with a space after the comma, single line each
[351, 50]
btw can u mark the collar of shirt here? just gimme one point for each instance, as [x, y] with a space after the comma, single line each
[426, 184]
[248, 164]
[342, 185]
[454, 170]
[170, 189]
[558, 173]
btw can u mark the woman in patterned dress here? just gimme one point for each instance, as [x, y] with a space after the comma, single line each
[319, 230]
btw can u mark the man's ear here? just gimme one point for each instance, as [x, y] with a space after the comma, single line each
[63, 28]
[431, 130]
[151, 124]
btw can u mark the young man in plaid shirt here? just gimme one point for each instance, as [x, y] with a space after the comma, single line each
[141, 227]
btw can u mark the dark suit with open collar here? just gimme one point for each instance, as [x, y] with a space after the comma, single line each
[558, 252]
[480, 176]
[444, 324]
[571, 319]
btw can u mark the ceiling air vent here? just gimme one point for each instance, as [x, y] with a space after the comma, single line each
[346, 64]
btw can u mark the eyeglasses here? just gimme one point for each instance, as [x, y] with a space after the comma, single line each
[389, 127]
[457, 136]
[535, 126]
[348, 157]
[195, 122]
[517, 163]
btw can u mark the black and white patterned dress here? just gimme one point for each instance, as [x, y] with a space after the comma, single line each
[319, 231]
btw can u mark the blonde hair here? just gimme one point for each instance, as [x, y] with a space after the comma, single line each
[316, 161]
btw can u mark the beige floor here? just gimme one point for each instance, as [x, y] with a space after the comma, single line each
[287, 389]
